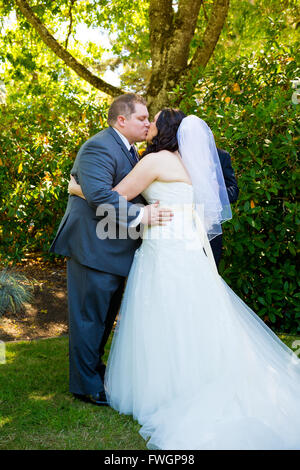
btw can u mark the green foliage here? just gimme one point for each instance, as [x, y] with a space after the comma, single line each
[121, 33]
[251, 23]
[46, 116]
[13, 292]
[247, 103]
[40, 134]
[121, 36]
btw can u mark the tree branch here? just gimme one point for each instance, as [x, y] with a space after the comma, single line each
[59, 50]
[211, 34]
[70, 24]
[204, 11]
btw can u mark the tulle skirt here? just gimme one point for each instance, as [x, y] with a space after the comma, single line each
[194, 364]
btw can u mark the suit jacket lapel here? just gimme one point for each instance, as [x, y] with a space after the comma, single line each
[122, 145]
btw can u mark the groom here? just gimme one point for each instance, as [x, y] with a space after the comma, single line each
[233, 193]
[97, 268]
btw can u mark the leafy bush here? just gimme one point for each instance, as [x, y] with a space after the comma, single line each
[247, 103]
[40, 135]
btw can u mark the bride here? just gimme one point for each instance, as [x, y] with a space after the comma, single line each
[189, 359]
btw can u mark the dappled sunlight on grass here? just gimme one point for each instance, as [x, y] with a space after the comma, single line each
[40, 397]
[9, 357]
[4, 421]
[292, 341]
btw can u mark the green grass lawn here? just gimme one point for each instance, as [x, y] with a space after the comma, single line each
[38, 412]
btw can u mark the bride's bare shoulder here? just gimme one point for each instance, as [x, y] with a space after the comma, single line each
[151, 157]
[157, 160]
[158, 155]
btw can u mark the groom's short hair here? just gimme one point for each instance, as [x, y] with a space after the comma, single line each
[124, 105]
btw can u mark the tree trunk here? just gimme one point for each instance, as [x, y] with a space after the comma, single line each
[170, 37]
[171, 52]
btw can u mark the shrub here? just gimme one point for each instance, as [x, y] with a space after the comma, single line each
[40, 136]
[13, 293]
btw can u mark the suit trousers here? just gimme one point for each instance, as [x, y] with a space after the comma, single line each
[94, 299]
[216, 246]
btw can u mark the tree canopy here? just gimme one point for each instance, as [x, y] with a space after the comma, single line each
[156, 45]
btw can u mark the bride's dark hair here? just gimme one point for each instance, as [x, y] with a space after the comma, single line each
[167, 125]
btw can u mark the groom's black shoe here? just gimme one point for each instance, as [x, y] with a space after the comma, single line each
[98, 399]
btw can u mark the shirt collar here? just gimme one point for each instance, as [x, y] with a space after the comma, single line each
[127, 144]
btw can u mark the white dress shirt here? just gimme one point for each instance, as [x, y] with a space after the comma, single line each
[138, 219]
[123, 138]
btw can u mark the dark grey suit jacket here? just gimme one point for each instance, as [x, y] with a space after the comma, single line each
[229, 177]
[233, 193]
[101, 163]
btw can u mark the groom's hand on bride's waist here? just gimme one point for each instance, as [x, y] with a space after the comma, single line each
[154, 215]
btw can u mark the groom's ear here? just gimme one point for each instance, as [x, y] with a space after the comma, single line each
[121, 120]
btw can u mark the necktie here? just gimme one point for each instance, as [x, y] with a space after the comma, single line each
[133, 153]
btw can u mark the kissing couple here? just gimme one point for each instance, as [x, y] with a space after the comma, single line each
[189, 360]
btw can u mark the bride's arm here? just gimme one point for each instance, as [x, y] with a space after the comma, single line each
[139, 178]
[74, 188]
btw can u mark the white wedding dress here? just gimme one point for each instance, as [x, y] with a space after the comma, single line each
[189, 360]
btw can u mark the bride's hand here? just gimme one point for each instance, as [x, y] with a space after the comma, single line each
[74, 188]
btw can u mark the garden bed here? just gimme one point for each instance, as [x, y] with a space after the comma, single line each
[47, 315]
